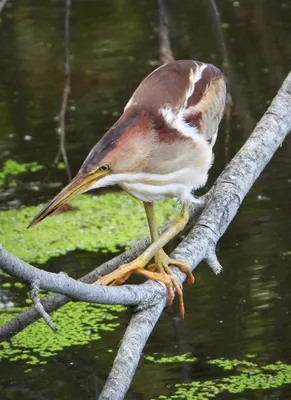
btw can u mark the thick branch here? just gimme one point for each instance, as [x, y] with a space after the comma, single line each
[55, 301]
[230, 189]
[60, 283]
[130, 351]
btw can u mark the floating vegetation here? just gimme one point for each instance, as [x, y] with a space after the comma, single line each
[77, 323]
[171, 359]
[12, 168]
[245, 375]
[105, 223]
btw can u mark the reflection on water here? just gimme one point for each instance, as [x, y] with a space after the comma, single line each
[113, 45]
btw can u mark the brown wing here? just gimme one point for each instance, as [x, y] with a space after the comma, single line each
[166, 85]
[206, 105]
[188, 95]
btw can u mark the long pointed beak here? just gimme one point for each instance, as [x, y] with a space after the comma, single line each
[79, 184]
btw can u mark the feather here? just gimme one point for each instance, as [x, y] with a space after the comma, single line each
[185, 96]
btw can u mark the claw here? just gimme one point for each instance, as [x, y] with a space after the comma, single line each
[159, 271]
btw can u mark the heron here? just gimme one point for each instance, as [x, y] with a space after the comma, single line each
[161, 147]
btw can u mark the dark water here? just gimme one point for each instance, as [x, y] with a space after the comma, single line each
[113, 45]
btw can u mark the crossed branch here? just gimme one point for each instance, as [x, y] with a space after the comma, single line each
[148, 300]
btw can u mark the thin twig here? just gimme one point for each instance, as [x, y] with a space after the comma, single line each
[62, 126]
[226, 70]
[66, 92]
[34, 295]
[221, 39]
[2, 4]
[166, 53]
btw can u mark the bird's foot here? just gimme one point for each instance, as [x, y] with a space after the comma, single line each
[161, 266]
[121, 274]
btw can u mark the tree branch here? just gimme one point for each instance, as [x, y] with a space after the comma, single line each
[221, 207]
[139, 329]
[65, 97]
[166, 53]
[2, 4]
[55, 301]
[63, 284]
[228, 193]
[34, 295]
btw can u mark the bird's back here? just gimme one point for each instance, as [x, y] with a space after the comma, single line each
[188, 95]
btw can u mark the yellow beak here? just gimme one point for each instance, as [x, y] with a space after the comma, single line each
[78, 185]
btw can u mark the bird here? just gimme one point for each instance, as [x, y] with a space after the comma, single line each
[161, 147]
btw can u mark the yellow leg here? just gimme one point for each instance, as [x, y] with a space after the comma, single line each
[161, 258]
[164, 273]
[163, 261]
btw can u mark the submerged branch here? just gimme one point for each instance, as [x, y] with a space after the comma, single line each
[62, 128]
[65, 97]
[166, 53]
[221, 39]
[226, 71]
[2, 4]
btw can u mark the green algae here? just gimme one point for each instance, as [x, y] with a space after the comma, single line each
[171, 359]
[61, 165]
[267, 379]
[244, 375]
[12, 168]
[105, 223]
[229, 365]
[77, 323]
[225, 364]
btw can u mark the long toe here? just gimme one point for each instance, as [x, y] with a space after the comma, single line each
[183, 267]
[168, 280]
[118, 276]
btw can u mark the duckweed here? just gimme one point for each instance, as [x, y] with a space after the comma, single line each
[105, 223]
[171, 359]
[13, 168]
[78, 324]
[245, 375]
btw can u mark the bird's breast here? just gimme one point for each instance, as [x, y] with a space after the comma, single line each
[153, 187]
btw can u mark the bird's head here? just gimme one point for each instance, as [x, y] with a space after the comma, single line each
[122, 151]
[82, 182]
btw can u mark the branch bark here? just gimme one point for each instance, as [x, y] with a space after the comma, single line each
[148, 300]
[221, 206]
[229, 191]
[55, 301]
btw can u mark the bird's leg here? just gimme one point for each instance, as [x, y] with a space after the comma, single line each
[161, 257]
[137, 266]
[163, 261]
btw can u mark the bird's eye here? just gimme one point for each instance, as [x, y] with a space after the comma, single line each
[104, 167]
